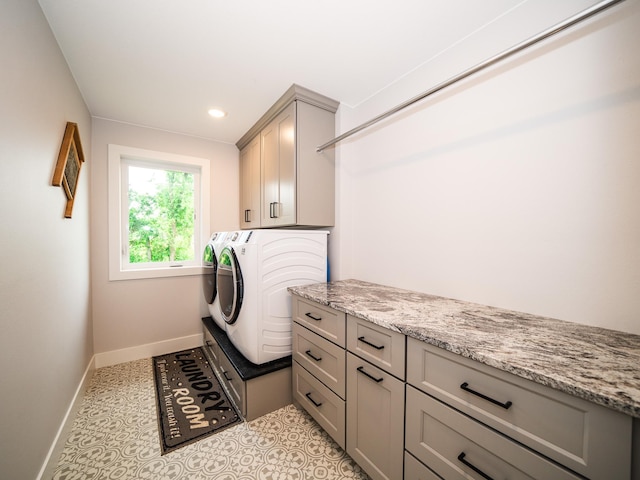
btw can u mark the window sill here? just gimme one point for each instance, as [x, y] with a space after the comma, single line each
[164, 272]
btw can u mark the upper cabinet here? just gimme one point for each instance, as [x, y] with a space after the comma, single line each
[294, 185]
[250, 184]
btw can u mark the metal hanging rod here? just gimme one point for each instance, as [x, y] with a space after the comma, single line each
[569, 22]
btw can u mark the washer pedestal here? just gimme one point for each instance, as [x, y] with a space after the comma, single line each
[255, 389]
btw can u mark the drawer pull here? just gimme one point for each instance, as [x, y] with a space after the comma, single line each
[473, 467]
[377, 380]
[465, 387]
[226, 376]
[317, 319]
[377, 347]
[308, 395]
[317, 359]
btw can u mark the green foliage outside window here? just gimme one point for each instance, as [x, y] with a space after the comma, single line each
[161, 216]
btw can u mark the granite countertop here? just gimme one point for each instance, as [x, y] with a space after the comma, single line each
[596, 364]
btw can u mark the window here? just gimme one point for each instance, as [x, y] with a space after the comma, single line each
[158, 213]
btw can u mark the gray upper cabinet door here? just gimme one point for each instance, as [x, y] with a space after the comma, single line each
[250, 185]
[315, 172]
[278, 170]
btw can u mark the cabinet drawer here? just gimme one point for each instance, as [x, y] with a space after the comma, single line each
[322, 404]
[322, 320]
[591, 440]
[454, 445]
[235, 385]
[378, 345]
[212, 349]
[325, 360]
[414, 470]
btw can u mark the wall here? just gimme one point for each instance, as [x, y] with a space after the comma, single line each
[130, 313]
[45, 314]
[516, 188]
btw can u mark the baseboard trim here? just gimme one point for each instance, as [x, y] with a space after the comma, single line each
[114, 357]
[51, 460]
[104, 360]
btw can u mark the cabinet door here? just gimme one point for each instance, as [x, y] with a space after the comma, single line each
[278, 170]
[250, 185]
[375, 419]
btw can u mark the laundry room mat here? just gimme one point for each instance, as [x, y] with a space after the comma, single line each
[191, 403]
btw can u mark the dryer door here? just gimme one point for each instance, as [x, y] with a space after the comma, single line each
[230, 285]
[210, 264]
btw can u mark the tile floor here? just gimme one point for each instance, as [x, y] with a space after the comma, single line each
[115, 436]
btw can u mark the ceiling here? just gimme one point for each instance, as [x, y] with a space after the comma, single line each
[165, 63]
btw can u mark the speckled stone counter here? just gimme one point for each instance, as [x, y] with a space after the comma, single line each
[596, 364]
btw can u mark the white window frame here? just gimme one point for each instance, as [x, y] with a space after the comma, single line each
[119, 157]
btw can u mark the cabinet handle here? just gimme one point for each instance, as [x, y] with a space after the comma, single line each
[377, 380]
[273, 210]
[473, 467]
[308, 395]
[247, 216]
[377, 347]
[226, 376]
[308, 314]
[317, 359]
[465, 387]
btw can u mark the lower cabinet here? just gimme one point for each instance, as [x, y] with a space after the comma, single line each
[327, 408]
[458, 447]
[254, 389]
[576, 435]
[318, 346]
[375, 419]
[415, 411]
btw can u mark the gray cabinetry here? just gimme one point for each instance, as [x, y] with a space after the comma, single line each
[255, 390]
[277, 163]
[457, 447]
[319, 365]
[375, 398]
[421, 412]
[323, 359]
[415, 470]
[589, 439]
[297, 184]
[250, 185]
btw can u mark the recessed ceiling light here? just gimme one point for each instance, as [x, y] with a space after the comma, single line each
[217, 113]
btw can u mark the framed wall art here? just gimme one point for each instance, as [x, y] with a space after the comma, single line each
[70, 160]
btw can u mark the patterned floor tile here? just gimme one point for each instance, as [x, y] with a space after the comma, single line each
[115, 437]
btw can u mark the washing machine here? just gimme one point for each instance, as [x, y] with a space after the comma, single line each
[210, 277]
[255, 268]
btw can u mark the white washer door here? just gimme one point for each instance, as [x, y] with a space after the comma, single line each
[230, 285]
[210, 264]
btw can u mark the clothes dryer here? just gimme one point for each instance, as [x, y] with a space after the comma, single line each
[254, 273]
[210, 275]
